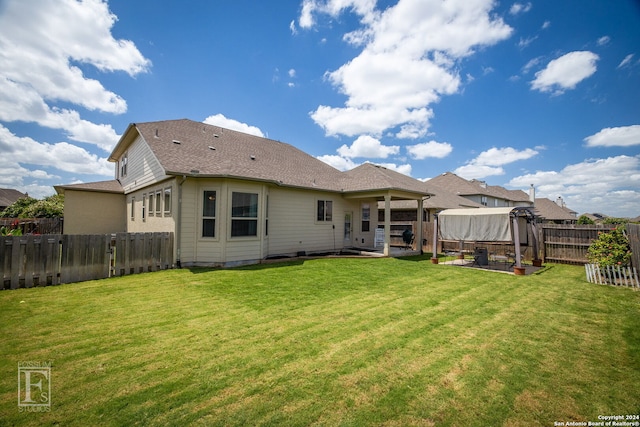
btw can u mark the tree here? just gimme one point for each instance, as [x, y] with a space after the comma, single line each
[28, 207]
[583, 219]
[610, 249]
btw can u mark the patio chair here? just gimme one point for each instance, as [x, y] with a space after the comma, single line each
[407, 238]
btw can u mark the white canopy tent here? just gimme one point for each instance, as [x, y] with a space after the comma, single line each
[505, 225]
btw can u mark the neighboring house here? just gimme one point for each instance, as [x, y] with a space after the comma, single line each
[440, 199]
[551, 212]
[233, 198]
[479, 192]
[9, 196]
[449, 191]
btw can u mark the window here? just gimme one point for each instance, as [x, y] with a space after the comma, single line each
[123, 164]
[366, 217]
[158, 203]
[209, 214]
[483, 200]
[244, 214]
[167, 201]
[133, 209]
[325, 210]
[144, 207]
[266, 217]
[151, 204]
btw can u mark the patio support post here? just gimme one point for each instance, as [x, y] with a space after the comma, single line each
[435, 238]
[387, 225]
[419, 236]
[516, 240]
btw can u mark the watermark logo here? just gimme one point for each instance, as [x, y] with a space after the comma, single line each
[34, 386]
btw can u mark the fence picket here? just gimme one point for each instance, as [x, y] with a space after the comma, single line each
[612, 275]
[27, 261]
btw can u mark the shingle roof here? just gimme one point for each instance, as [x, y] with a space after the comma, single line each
[550, 210]
[9, 196]
[368, 176]
[112, 186]
[458, 185]
[186, 147]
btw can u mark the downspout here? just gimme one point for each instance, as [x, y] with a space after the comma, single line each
[179, 222]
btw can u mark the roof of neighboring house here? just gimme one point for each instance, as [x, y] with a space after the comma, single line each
[186, 147]
[112, 186]
[440, 199]
[9, 196]
[457, 185]
[551, 211]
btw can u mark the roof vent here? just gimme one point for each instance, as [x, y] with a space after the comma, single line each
[175, 141]
[212, 148]
[215, 135]
[195, 171]
[253, 157]
[156, 135]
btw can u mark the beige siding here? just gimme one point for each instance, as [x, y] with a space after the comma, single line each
[88, 212]
[143, 167]
[161, 220]
[293, 226]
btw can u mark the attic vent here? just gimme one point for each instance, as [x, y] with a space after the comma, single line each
[253, 157]
[175, 141]
[215, 135]
[211, 147]
[156, 135]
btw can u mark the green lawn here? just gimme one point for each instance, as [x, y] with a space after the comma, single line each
[326, 342]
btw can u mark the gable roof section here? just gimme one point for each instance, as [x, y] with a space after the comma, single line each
[457, 185]
[550, 210]
[9, 196]
[186, 147]
[368, 176]
[112, 186]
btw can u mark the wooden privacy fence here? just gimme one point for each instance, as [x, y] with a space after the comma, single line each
[34, 225]
[610, 275]
[568, 243]
[633, 233]
[42, 260]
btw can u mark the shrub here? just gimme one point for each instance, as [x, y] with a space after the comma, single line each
[611, 248]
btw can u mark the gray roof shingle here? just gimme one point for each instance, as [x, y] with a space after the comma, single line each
[186, 147]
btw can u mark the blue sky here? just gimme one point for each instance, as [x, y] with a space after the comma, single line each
[510, 92]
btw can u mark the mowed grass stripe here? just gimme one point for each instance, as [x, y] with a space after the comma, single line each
[327, 342]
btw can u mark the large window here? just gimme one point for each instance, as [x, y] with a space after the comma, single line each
[209, 214]
[244, 214]
[325, 210]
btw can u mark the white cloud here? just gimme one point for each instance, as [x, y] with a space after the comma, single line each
[474, 171]
[608, 185]
[565, 72]
[407, 63]
[19, 151]
[292, 73]
[518, 8]
[624, 136]
[490, 162]
[435, 149]
[222, 121]
[403, 169]
[626, 61]
[338, 162]
[367, 146]
[43, 47]
[604, 40]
